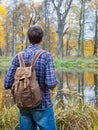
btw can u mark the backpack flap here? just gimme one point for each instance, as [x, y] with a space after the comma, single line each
[23, 72]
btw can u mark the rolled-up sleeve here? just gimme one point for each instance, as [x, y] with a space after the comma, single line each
[9, 78]
[50, 77]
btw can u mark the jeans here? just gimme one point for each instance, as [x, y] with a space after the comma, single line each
[32, 119]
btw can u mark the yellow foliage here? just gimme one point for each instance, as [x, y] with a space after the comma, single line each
[20, 47]
[3, 14]
[54, 42]
[1, 88]
[2, 36]
[89, 48]
[89, 78]
[2, 11]
[54, 36]
[24, 31]
[73, 43]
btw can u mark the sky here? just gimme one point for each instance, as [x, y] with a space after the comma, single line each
[5, 2]
[38, 0]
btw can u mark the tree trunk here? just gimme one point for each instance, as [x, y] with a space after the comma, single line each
[67, 80]
[60, 39]
[13, 37]
[67, 47]
[7, 46]
[96, 35]
[83, 24]
[81, 31]
[60, 86]
[49, 42]
[46, 44]
[60, 45]
[0, 52]
[82, 85]
[79, 82]
[96, 87]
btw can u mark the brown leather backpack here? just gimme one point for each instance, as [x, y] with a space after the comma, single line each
[25, 90]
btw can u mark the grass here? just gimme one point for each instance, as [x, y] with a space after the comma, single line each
[77, 117]
[5, 62]
[9, 118]
[73, 117]
[76, 64]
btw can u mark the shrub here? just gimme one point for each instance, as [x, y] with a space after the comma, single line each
[9, 118]
[77, 117]
[74, 117]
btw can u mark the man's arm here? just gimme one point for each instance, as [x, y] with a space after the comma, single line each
[9, 78]
[50, 80]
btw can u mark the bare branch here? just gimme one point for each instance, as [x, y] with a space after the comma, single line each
[67, 10]
[60, 3]
[65, 31]
[54, 4]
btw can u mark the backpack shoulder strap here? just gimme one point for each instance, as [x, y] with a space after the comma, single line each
[21, 61]
[37, 56]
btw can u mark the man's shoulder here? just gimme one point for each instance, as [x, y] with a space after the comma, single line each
[47, 54]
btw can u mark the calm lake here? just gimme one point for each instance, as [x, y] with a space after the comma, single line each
[71, 85]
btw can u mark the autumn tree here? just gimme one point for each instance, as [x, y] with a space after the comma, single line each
[62, 8]
[22, 12]
[13, 26]
[35, 15]
[21, 17]
[3, 15]
[71, 36]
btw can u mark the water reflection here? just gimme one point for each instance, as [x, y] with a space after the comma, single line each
[96, 87]
[71, 85]
[74, 84]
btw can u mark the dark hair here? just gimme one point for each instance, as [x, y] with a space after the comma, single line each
[35, 34]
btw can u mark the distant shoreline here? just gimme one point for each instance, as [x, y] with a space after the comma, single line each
[73, 64]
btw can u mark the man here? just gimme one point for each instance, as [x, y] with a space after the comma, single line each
[43, 115]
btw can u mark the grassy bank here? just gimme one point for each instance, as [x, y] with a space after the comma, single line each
[77, 64]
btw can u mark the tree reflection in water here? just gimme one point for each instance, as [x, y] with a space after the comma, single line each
[77, 84]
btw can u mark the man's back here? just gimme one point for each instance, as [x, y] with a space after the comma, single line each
[44, 71]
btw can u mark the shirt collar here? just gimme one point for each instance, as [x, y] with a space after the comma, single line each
[34, 46]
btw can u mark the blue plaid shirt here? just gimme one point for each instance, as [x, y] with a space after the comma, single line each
[44, 70]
